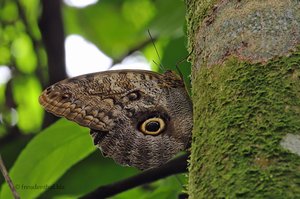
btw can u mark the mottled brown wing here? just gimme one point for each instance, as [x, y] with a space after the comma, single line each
[138, 118]
[95, 100]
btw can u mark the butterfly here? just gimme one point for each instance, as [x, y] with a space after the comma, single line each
[138, 118]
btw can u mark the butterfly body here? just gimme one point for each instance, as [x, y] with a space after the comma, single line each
[138, 118]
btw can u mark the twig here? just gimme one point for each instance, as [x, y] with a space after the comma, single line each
[175, 166]
[8, 179]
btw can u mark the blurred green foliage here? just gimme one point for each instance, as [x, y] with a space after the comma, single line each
[63, 154]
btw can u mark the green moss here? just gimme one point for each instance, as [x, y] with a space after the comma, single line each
[242, 112]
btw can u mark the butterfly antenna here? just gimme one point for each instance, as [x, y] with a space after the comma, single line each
[156, 63]
[179, 71]
[152, 40]
[182, 60]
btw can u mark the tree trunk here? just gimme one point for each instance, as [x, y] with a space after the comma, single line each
[246, 95]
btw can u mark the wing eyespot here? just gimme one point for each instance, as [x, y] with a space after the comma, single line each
[152, 126]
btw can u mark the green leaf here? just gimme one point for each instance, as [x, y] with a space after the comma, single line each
[132, 193]
[10, 150]
[169, 19]
[9, 12]
[114, 31]
[167, 188]
[47, 157]
[26, 90]
[93, 172]
[32, 10]
[22, 49]
[178, 57]
[5, 54]
[2, 95]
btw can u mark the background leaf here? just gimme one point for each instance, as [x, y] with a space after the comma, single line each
[94, 171]
[26, 105]
[47, 157]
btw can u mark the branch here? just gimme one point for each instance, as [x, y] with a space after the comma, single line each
[53, 36]
[8, 179]
[51, 27]
[175, 166]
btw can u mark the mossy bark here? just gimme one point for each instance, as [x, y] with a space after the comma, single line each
[246, 137]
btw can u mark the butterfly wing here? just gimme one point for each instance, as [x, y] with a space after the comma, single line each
[92, 99]
[114, 103]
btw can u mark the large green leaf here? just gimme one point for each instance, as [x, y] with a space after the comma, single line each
[47, 157]
[93, 172]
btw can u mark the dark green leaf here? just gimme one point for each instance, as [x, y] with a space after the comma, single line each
[47, 157]
[93, 172]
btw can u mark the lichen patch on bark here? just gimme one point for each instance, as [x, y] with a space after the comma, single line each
[249, 30]
[291, 142]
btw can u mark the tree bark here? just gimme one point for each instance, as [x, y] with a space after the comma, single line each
[246, 95]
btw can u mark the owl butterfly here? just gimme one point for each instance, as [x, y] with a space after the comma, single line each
[138, 118]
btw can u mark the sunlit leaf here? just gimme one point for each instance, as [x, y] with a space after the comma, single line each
[22, 49]
[132, 193]
[26, 91]
[5, 55]
[144, 9]
[31, 9]
[9, 12]
[47, 157]
[8, 34]
[153, 56]
[2, 94]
